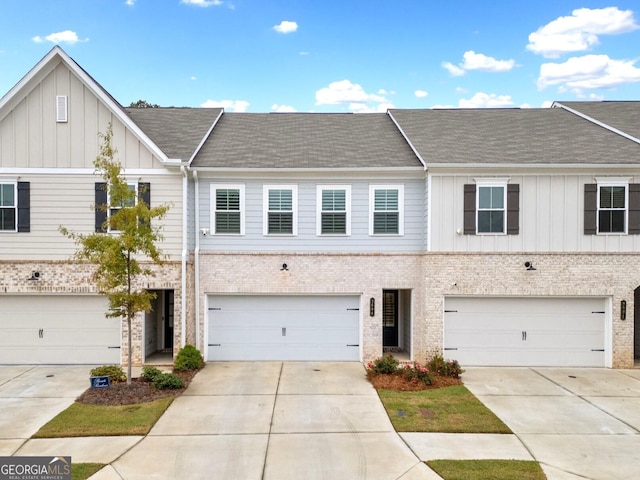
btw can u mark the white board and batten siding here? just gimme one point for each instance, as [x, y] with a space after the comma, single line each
[58, 329]
[307, 239]
[551, 217]
[283, 327]
[527, 331]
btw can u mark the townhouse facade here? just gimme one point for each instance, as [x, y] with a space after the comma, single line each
[495, 237]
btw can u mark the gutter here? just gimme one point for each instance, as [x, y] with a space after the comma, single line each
[185, 255]
[196, 258]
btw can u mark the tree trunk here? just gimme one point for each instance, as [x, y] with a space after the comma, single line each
[129, 350]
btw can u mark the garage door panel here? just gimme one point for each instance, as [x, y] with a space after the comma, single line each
[525, 331]
[262, 327]
[57, 329]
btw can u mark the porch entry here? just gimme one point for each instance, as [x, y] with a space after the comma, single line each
[159, 325]
[396, 321]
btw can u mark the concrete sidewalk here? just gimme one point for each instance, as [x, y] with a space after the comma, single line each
[576, 422]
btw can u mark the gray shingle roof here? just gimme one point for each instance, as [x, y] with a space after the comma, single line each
[512, 136]
[624, 116]
[305, 140]
[176, 131]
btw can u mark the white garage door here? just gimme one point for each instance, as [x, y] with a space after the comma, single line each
[263, 327]
[525, 331]
[57, 329]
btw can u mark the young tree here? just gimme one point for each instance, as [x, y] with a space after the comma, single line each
[130, 234]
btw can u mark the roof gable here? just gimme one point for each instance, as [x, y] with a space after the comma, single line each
[46, 65]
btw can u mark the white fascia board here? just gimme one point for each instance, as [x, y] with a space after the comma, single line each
[46, 64]
[597, 122]
[406, 138]
[81, 171]
[206, 136]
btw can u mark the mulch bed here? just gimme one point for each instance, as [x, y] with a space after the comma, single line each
[138, 392]
[399, 383]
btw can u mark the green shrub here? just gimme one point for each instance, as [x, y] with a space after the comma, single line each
[114, 372]
[167, 381]
[417, 373]
[188, 358]
[445, 368]
[385, 364]
[149, 373]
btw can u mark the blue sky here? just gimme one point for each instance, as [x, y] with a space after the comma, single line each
[334, 55]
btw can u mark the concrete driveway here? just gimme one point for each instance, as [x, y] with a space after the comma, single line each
[274, 420]
[577, 422]
[30, 396]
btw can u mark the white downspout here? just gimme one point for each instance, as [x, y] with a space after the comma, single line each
[196, 259]
[185, 255]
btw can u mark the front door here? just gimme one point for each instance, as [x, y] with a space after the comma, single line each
[168, 320]
[390, 318]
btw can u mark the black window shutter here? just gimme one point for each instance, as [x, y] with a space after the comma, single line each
[634, 209]
[100, 203]
[470, 209]
[590, 208]
[24, 207]
[513, 209]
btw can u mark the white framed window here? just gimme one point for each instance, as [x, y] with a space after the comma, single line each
[386, 209]
[8, 206]
[227, 207]
[491, 201]
[280, 215]
[114, 207]
[333, 210]
[612, 206]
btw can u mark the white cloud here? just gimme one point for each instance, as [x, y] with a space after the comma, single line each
[232, 105]
[580, 31]
[282, 108]
[588, 72]
[478, 61]
[286, 27]
[486, 100]
[131, 3]
[546, 104]
[193, 78]
[420, 93]
[353, 96]
[66, 36]
[202, 3]
[454, 71]
[304, 54]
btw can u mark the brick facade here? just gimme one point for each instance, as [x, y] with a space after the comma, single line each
[359, 274]
[64, 277]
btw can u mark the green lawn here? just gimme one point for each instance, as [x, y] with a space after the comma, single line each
[450, 409]
[82, 471]
[80, 420]
[487, 469]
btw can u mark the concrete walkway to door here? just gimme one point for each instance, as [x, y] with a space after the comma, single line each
[273, 420]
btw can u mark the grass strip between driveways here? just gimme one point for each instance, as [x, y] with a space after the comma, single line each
[82, 471]
[81, 420]
[451, 409]
[487, 469]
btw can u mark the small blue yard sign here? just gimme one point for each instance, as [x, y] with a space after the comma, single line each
[100, 382]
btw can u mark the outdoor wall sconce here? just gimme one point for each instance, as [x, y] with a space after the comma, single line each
[529, 266]
[285, 268]
[623, 310]
[204, 231]
[35, 275]
[372, 307]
